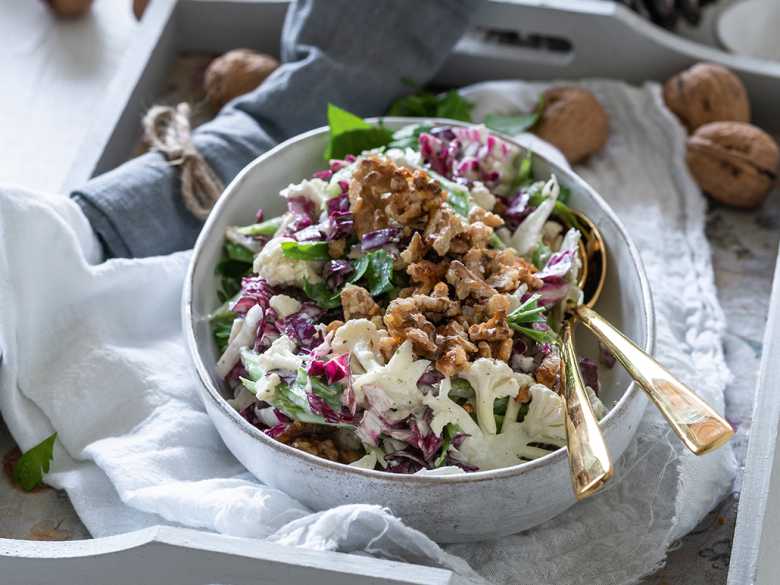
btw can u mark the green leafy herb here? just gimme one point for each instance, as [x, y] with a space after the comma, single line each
[350, 134]
[453, 106]
[541, 255]
[448, 434]
[29, 470]
[322, 294]
[238, 253]
[221, 324]
[330, 393]
[379, 273]
[409, 136]
[528, 314]
[306, 250]
[495, 242]
[564, 194]
[292, 400]
[516, 124]
[461, 389]
[425, 104]
[524, 173]
[234, 265]
[360, 266]
[266, 228]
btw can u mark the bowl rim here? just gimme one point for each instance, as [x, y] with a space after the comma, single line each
[610, 420]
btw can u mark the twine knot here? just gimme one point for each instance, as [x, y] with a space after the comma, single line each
[168, 131]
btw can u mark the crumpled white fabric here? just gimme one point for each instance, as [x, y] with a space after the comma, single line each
[94, 351]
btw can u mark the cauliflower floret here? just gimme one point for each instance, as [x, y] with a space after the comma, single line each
[278, 269]
[284, 305]
[492, 379]
[406, 157]
[315, 190]
[359, 337]
[280, 356]
[397, 379]
[544, 421]
[482, 196]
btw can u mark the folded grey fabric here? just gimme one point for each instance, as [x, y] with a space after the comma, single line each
[354, 54]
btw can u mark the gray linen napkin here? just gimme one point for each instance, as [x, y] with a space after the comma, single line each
[354, 54]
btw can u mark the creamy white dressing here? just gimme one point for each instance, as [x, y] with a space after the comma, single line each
[315, 190]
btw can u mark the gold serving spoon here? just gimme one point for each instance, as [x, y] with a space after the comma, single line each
[695, 422]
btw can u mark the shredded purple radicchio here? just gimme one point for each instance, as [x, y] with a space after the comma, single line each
[255, 290]
[379, 238]
[324, 175]
[259, 215]
[336, 273]
[517, 209]
[340, 223]
[301, 328]
[302, 214]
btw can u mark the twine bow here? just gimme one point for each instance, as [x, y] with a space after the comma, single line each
[168, 131]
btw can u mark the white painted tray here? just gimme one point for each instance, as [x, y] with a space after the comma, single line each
[589, 31]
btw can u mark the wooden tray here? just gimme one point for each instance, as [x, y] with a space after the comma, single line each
[578, 40]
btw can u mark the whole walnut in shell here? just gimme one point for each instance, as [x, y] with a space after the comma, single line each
[734, 162]
[573, 121]
[707, 93]
[69, 8]
[235, 73]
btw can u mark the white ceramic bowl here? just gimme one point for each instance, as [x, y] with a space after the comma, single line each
[455, 508]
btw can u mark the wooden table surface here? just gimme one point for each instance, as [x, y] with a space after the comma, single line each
[52, 75]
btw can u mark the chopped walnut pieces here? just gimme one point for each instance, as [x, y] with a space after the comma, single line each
[484, 349]
[404, 320]
[502, 350]
[357, 303]
[382, 192]
[415, 250]
[507, 271]
[467, 283]
[333, 325]
[524, 395]
[442, 229]
[455, 347]
[494, 329]
[387, 346]
[549, 371]
[479, 235]
[336, 248]
[426, 274]
[483, 215]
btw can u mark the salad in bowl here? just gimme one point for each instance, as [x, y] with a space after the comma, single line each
[402, 315]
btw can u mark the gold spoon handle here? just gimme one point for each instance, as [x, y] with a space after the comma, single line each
[697, 424]
[588, 457]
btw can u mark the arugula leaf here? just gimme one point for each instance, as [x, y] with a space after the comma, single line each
[268, 228]
[306, 250]
[29, 470]
[379, 272]
[322, 294]
[238, 253]
[528, 314]
[350, 134]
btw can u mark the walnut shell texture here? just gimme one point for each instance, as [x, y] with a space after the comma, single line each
[707, 93]
[734, 162]
[69, 8]
[574, 121]
[235, 73]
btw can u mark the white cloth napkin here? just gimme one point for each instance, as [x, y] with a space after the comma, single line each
[94, 351]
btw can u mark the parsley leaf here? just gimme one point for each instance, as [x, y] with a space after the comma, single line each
[322, 294]
[221, 324]
[350, 134]
[425, 104]
[233, 266]
[29, 470]
[379, 272]
[306, 250]
[238, 253]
